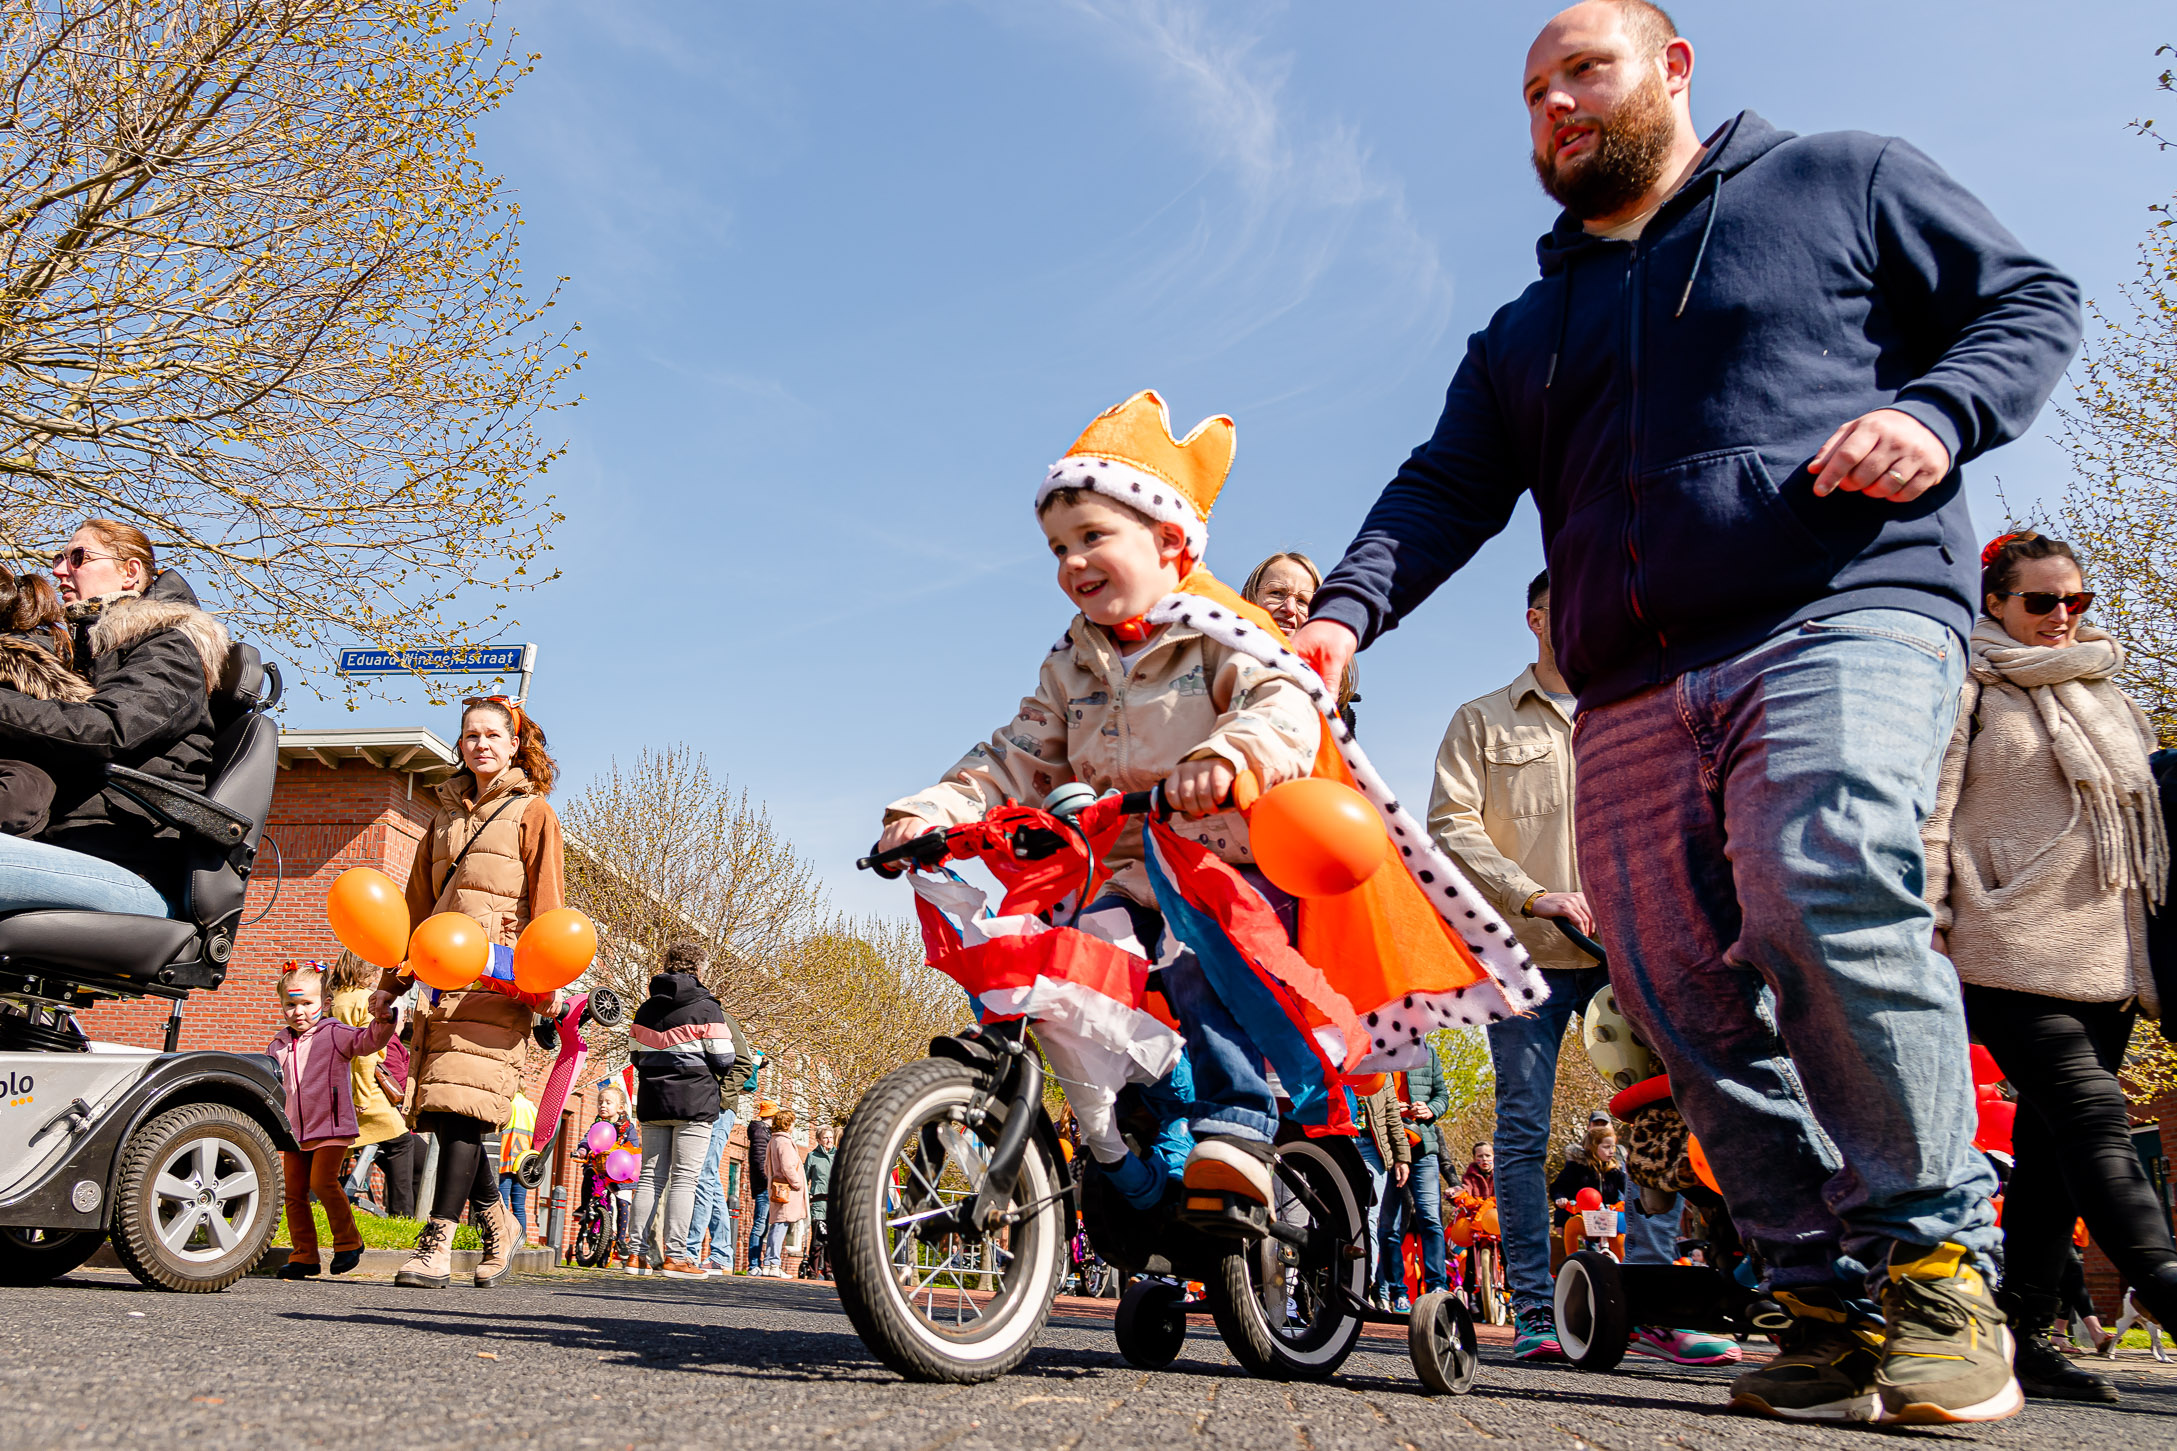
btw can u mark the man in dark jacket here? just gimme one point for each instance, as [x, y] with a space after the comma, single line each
[153, 657]
[1740, 395]
[682, 1051]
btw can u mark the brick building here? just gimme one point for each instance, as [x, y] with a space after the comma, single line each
[363, 798]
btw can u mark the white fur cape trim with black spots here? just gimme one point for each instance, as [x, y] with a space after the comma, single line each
[1514, 984]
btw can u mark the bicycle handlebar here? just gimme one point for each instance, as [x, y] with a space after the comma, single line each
[929, 850]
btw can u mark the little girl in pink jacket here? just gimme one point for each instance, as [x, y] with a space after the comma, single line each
[313, 1052]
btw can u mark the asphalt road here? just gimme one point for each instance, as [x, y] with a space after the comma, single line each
[607, 1361]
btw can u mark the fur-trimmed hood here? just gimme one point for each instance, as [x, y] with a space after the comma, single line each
[33, 669]
[125, 619]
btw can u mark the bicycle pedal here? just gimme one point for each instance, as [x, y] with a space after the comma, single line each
[1224, 1212]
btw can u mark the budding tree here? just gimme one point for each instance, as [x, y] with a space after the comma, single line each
[2120, 426]
[258, 298]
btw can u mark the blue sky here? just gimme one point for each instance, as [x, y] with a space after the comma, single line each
[851, 275]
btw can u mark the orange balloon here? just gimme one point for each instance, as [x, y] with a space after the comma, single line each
[1461, 1232]
[554, 950]
[1699, 1159]
[1370, 1084]
[449, 951]
[1487, 1219]
[1317, 838]
[369, 915]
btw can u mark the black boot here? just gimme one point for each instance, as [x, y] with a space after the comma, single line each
[2044, 1372]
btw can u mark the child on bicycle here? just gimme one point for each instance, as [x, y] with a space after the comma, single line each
[1124, 704]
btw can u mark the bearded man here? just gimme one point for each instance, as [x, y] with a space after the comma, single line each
[1740, 395]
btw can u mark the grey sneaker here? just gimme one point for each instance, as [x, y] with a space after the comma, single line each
[1948, 1357]
[1825, 1370]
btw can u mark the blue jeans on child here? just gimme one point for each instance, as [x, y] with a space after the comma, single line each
[36, 875]
[1749, 836]
[713, 1214]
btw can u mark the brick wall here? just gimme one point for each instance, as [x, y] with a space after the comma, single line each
[323, 821]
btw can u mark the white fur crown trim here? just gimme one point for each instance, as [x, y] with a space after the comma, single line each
[1159, 498]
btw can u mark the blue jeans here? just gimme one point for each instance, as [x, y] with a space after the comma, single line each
[514, 1194]
[33, 875]
[1749, 836]
[1381, 1179]
[1423, 1192]
[713, 1215]
[1524, 1052]
[759, 1220]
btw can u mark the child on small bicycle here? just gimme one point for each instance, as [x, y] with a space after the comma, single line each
[1123, 704]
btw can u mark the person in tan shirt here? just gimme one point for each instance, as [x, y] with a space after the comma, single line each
[1502, 809]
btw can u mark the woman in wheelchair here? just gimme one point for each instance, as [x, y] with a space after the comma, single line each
[152, 658]
[493, 852]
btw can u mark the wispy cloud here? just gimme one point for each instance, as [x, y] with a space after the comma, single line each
[1285, 196]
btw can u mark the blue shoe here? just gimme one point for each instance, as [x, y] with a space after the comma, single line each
[1534, 1336]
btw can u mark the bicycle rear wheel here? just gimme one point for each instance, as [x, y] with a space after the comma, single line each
[941, 1304]
[1277, 1304]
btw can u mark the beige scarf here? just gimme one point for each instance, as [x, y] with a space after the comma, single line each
[2099, 737]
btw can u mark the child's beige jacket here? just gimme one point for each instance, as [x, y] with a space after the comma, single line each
[1094, 720]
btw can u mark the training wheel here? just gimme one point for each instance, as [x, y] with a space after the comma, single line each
[1150, 1326]
[1440, 1338]
[1593, 1325]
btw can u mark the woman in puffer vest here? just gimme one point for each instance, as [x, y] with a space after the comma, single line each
[2046, 851]
[493, 852]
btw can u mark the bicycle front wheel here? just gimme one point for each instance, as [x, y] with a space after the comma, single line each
[940, 1304]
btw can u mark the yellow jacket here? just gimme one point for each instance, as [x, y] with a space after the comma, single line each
[1502, 808]
[1095, 720]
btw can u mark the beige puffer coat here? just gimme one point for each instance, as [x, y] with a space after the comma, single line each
[470, 1045]
[2013, 871]
[1096, 721]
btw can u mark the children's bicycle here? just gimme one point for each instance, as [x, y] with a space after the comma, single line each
[593, 1223]
[952, 1206]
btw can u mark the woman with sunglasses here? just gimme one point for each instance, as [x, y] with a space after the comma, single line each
[152, 658]
[2046, 850]
[493, 852]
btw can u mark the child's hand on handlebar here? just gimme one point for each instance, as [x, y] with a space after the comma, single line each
[901, 830]
[1198, 788]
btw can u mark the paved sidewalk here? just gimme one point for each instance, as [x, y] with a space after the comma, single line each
[597, 1359]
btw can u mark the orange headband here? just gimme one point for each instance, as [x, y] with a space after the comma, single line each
[513, 711]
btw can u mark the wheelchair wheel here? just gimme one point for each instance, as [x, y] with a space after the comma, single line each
[1593, 1323]
[1275, 1303]
[1150, 1326]
[941, 1305]
[1440, 1338]
[40, 1256]
[196, 1199]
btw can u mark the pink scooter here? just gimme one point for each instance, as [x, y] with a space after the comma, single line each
[599, 1005]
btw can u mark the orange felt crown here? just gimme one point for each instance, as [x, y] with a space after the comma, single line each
[1128, 454]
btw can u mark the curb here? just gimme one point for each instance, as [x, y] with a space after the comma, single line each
[375, 1261]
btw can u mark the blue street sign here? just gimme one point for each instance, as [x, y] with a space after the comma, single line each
[480, 660]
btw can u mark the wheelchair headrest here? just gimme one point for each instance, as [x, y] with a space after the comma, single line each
[248, 683]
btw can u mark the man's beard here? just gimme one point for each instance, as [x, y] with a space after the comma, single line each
[1625, 159]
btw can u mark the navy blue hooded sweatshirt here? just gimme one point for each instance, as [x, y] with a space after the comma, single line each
[1661, 399]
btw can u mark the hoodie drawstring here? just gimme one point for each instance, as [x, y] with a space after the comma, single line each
[1715, 193]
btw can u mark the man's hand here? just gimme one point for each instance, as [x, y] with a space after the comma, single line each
[1884, 455]
[1327, 646]
[901, 830]
[1419, 1112]
[1565, 906]
[1400, 1173]
[1195, 788]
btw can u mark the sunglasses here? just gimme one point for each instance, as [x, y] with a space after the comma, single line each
[77, 557]
[2040, 602]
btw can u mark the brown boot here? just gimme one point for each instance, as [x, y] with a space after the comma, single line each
[501, 1233]
[431, 1266]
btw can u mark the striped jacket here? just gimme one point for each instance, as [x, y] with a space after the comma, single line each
[683, 1049]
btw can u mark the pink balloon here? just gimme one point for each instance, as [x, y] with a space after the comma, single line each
[622, 1167]
[602, 1137]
